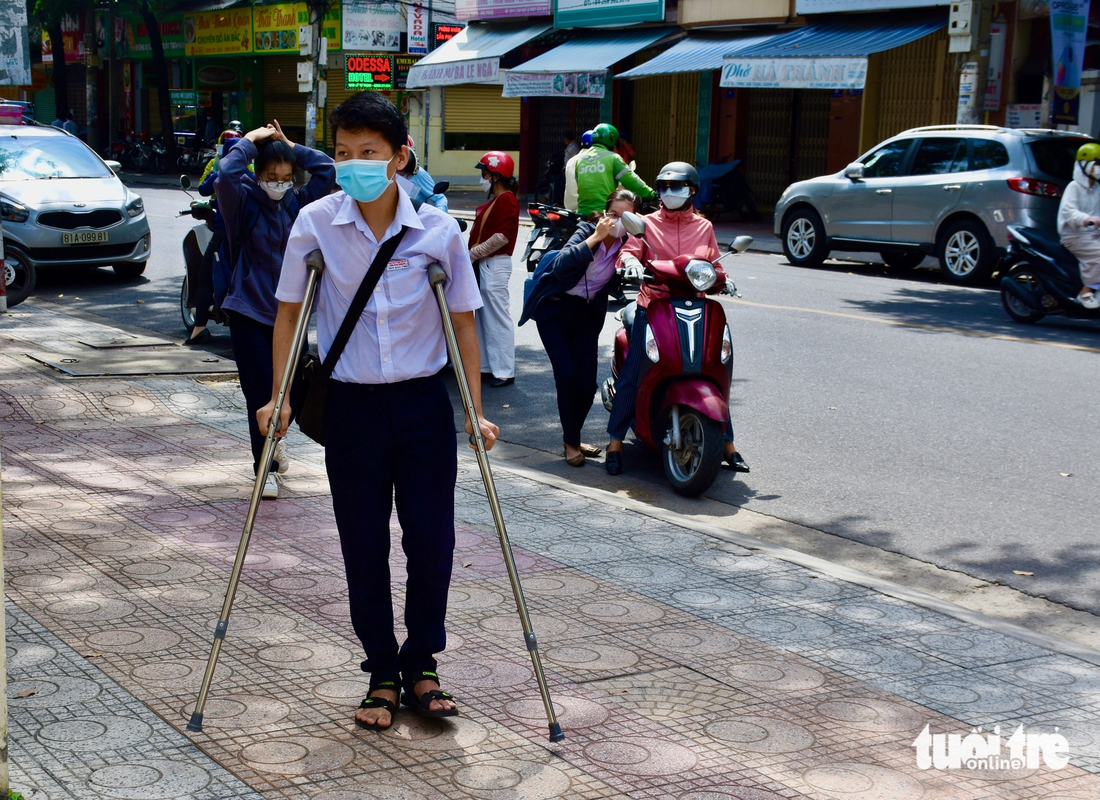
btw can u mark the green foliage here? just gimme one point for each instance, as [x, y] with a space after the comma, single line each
[14, 795]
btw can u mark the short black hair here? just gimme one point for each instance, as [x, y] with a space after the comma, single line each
[272, 151]
[372, 112]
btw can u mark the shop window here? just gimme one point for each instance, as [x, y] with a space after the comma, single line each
[886, 161]
[987, 154]
[940, 156]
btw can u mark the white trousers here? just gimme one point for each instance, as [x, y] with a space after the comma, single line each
[496, 333]
[1087, 250]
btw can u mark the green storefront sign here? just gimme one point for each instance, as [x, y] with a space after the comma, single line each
[134, 40]
[183, 97]
[590, 13]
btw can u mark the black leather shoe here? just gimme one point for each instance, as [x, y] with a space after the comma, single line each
[737, 463]
[614, 462]
[199, 337]
[500, 383]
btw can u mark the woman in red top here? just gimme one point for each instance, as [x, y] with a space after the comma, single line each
[492, 240]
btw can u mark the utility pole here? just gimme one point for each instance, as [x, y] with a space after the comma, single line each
[970, 24]
[314, 45]
[428, 95]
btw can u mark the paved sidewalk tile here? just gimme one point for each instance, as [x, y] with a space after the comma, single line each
[681, 666]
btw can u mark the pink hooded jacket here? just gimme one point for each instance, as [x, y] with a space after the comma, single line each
[670, 234]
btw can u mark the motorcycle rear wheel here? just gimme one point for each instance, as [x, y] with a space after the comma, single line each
[1017, 308]
[187, 312]
[692, 470]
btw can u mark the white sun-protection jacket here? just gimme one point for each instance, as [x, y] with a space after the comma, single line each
[1079, 201]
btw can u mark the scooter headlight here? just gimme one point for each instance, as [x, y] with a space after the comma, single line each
[727, 346]
[701, 274]
[651, 349]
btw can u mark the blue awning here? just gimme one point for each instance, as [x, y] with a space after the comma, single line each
[473, 55]
[694, 54]
[847, 37]
[593, 53]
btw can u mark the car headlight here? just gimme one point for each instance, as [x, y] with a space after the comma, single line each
[701, 274]
[651, 349]
[12, 211]
[727, 346]
[136, 207]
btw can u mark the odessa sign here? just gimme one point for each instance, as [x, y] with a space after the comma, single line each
[368, 73]
[794, 73]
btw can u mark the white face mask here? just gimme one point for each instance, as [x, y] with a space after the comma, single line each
[1094, 170]
[276, 189]
[408, 186]
[618, 231]
[486, 184]
[674, 199]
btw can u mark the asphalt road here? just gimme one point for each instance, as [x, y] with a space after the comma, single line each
[884, 407]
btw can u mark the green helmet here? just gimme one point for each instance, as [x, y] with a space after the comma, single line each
[605, 134]
[1090, 151]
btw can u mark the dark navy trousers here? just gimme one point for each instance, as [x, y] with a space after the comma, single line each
[388, 443]
[252, 352]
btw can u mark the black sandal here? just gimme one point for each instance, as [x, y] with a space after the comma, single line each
[422, 705]
[378, 702]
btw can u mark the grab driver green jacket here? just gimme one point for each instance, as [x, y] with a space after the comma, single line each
[599, 171]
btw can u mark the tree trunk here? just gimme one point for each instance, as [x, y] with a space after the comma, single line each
[60, 73]
[160, 71]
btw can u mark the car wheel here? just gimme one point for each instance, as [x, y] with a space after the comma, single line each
[804, 242]
[901, 259]
[966, 253]
[19, 277]
[129, 272]
[1017, 308]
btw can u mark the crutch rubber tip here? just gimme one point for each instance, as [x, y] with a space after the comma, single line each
[195, 724]
[556, 734]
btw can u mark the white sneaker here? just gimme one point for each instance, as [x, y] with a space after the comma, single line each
[281, 456]
[271, 488]
[1089, 300]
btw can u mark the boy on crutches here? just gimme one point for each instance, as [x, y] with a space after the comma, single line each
[389, 422]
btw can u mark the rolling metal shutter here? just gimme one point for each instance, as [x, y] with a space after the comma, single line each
[666, 121]
[282, 100]
[907, 103]
[336, 95]
[769, 145]
[477, 108]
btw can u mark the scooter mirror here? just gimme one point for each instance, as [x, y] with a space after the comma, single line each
[185, 182]
[441, 187]
[741, 244]
[634, 224]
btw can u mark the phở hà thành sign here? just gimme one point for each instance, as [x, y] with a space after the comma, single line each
[372, 72]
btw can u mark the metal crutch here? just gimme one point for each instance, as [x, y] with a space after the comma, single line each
[437, 277]
[315, 263]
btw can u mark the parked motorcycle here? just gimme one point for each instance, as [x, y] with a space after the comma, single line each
[684, 379]
[553, 227]
[551, 188]
[195, 245]
[1041, 277]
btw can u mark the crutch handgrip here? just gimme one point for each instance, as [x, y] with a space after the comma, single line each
[436, 275]
[315, 262]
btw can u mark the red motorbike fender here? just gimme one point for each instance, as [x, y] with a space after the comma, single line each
[701, 395]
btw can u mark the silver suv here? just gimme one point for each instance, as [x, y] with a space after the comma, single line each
[947, 191]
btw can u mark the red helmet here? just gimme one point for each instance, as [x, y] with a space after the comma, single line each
[499, 162]
[227, 135]
[411, 143]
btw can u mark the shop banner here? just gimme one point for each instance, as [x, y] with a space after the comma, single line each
[1023, 115]
[15, 45]
[375, 26]
[136, 37]
[794, 73]
[466, 10]
[994, 77]
[479, 70]
[218, 33]
[275, 28]
[371, 72]
[331, 29]
[591, 13]
[443, 32]
[72, 31]
[418, 29]
[549, 84]
[829, 6]
[403, 64]
[1069, 22]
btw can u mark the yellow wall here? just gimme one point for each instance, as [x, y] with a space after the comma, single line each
[456, 166]
[712, 12]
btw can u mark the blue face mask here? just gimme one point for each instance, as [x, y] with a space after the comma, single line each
[363, 179]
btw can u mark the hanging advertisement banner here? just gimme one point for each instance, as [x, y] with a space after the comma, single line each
[478, 70]
[591, 13]
[466, 10]
[794, 73]
[1068, 26]
[968, 84]
[275, 28]
[418, 29]
[218, 33]
[829, 6]
[375, 26]
[549, 84]
[136, 36]
[15, 45]
[72, 32]
[995, 76]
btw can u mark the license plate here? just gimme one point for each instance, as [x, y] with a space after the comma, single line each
[84, 237]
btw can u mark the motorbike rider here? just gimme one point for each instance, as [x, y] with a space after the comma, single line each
[672, 230]
[570, 200]
[417, 183]
[599, 170]
[1079, 221]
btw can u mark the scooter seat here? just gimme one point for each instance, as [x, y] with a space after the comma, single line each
[1051, 244]
[628, 317]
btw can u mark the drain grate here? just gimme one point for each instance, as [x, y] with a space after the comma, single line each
[123, 340]
[149, 361]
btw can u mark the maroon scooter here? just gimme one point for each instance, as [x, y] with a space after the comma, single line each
[685, 374]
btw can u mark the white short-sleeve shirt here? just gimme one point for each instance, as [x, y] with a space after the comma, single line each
[400, 334]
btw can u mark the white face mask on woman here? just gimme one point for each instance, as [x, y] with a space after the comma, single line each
[674, 199]
[486, 184]
[618, 231]
[276, 189]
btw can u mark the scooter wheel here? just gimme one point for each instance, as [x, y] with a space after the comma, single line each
[692, 469]
[19, 277]
[186, 311]
[1017, 308]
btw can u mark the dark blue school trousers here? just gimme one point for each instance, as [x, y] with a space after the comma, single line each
[252, 351]
[386, 444]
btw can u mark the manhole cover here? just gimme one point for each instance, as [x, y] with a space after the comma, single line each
[149, 361]
[113, 342]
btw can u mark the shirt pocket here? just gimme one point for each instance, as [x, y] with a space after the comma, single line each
[404, 284]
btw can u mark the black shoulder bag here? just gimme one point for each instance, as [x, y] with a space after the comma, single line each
[309, 401]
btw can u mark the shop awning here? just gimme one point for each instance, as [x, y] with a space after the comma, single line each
[578, 68]
[825, 55]
[472, 56]
[693, 54]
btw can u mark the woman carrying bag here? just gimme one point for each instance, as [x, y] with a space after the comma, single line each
[568, 302]
[496, 228]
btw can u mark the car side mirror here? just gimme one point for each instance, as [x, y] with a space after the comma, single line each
[854, 171]
[740, 244]
[185, 182]
[114, 166]
[634, 224]
[441, 187]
